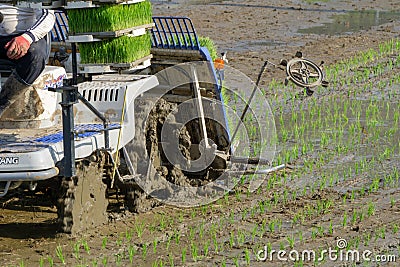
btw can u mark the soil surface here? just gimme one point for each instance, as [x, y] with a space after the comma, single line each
[312, 205]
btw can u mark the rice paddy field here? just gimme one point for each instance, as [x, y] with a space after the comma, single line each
[338, 201]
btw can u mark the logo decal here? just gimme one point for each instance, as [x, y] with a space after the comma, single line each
[9, 160]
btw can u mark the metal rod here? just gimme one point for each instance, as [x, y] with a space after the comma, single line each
[100, 116]
[199, 106]
[69, 98]
[5, 190]
[128, 161]
[74, 64]
[246, 108]
[260, 161]
[250, 172]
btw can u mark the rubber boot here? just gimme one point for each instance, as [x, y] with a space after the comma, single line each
[19, 103]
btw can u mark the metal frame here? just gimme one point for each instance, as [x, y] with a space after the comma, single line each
[174, 33]
[70, 97]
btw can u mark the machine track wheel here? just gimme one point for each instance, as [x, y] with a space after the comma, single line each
[82, 202]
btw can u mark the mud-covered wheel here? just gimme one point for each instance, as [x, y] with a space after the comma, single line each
[304, 73]
[136, 200]
[149, 119]
[82, 202]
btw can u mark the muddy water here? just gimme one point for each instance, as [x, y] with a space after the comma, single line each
[186, 2]
[353, 21]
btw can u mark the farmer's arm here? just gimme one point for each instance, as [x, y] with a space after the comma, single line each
[19, 45]
[43, 25]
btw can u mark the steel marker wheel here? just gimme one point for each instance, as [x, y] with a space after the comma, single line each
[304, 73]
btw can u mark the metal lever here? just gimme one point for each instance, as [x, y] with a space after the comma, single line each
[199, 107]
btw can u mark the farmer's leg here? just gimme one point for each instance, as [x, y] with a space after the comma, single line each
[30, 66]
[3, 41]
[18, 99]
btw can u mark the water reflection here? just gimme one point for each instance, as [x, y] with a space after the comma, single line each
[354, 21]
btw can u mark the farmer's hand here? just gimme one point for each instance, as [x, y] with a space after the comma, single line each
[17, 47]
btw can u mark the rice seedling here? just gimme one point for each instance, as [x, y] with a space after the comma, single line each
[118, 259]
[104, 242]
[215, 243]
[139, 228]
[382, 232]
[354, 217]
[344, 222]
[392, 202]
[131, 252]
[180, 218]
[60, 255]
[119, 242]
[210, 45]
[155, 242]
[163, 222]
[124, 49]
[168, 243]
[128, 235]
[236, 261]
[367, 238]
[241, 237]
[158, 263]
[109, 17]
[371, 209]
[291, 239]
[104, 261]
[171, 260]
[206, 248]
[192, 233]
[281, 246]
[183, 255]
[51, 261]
[194, 251]
[223, 263]
[247, 256]
[395, 228]
[231, 240]
[144, 251]
[271, 226]
[76, 249]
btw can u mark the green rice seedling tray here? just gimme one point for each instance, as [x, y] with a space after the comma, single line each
[109, 18]
[116, 67]
[124, 49]
[99, 36]
[97, 3]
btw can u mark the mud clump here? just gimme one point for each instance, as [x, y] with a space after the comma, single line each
[19, 101]
[82, 201]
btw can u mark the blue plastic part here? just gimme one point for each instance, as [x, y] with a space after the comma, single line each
[206, 54]
[83, 130]
[60, 29]
[36, 144]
